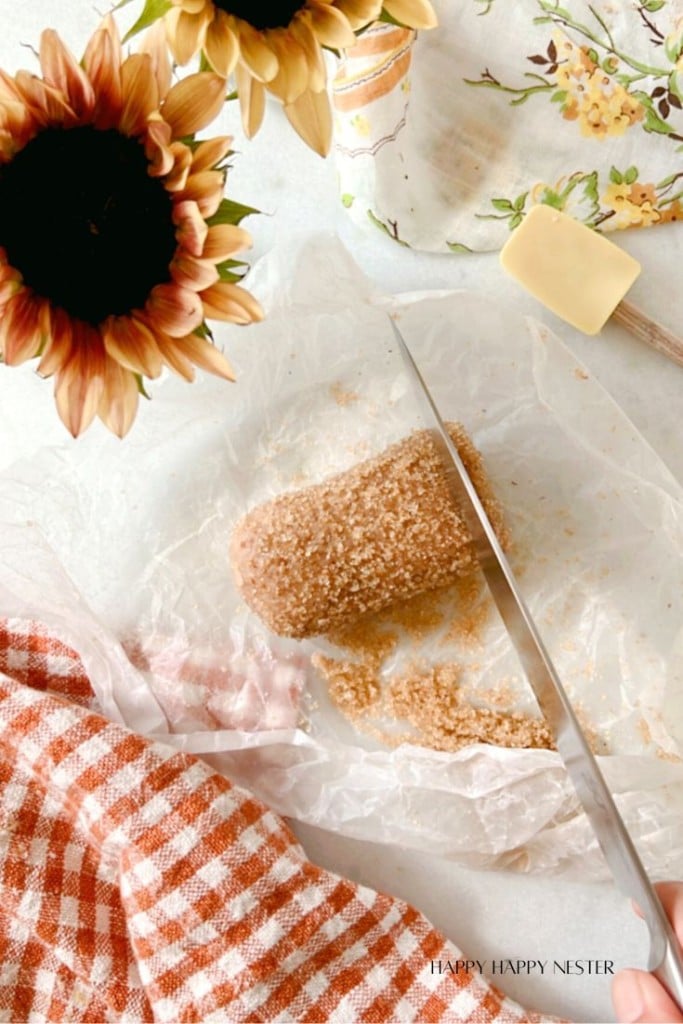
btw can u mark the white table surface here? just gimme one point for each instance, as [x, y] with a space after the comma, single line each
[490, 915]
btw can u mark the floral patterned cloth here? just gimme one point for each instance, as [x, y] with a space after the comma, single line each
[575, 104]
[137, 884]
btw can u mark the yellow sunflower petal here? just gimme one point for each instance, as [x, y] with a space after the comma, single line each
[227, 301]
[110, 28]
[205, 355]
[252, 97]
[61, 70]
[7, 146]
[176, 177]
[58, 349]
[192, 273]
[185, 33]
[173, 357]
[79, 384]
[176, 311]
[360, 13]
[224, 241]
[192, 229]
[307, 40]
[293, 76]
[102, 63]
[10, 284]
[257, 54]
[194, 102]
[118, 403]
[311, 117]
[158, 148]
[221, 46]
[154, 43]
[15, 118]
[412, 13]
[47, 104]
[140, 93]
[8, 90]
[331, 26]
[23, 327]
[210, 152]
[132, 344]
[206, 189]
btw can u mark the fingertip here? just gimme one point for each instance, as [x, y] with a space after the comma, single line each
[627, 996]
[638, 996]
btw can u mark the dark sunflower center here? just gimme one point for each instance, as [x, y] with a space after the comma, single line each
[275, 14]
[83, 222]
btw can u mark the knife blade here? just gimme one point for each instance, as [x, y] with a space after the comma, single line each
[665, 960]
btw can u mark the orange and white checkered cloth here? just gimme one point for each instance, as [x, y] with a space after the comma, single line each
[137, 884]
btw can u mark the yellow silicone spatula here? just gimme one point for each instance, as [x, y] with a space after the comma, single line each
[580, 276]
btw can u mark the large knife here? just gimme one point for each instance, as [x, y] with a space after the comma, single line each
[665, 960]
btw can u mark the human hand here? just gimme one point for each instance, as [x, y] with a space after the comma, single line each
[637, 995]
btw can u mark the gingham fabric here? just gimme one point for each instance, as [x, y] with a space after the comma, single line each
[138, 884]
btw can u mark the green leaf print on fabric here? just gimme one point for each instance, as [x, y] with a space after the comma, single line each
[576, 195]
[596, 83]
[623, 199]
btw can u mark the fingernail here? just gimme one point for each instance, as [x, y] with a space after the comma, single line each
[627, 996]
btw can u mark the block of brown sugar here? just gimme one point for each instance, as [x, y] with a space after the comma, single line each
[575, 272]
[319, 558]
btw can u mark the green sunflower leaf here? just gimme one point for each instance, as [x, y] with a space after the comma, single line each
[204, 331]
[230, 212]
[232, 270]
[152, 11]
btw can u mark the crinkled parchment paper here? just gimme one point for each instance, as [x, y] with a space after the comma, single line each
[122, 547]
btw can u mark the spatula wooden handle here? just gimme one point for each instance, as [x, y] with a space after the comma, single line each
[647, 330]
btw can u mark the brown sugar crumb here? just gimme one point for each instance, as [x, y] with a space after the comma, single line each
[342, 397]
[471, 609]
[432, 702]
[418, 615]
[367, 639]
[353, 687]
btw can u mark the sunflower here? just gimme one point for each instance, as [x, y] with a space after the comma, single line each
[110, 278]
[278, 47]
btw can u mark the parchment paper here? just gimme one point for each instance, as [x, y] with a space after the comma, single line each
[122, 547]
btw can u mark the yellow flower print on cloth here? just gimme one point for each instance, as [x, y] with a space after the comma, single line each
[589, 95]
[511, 104]
[632, 203]
[604, 88]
